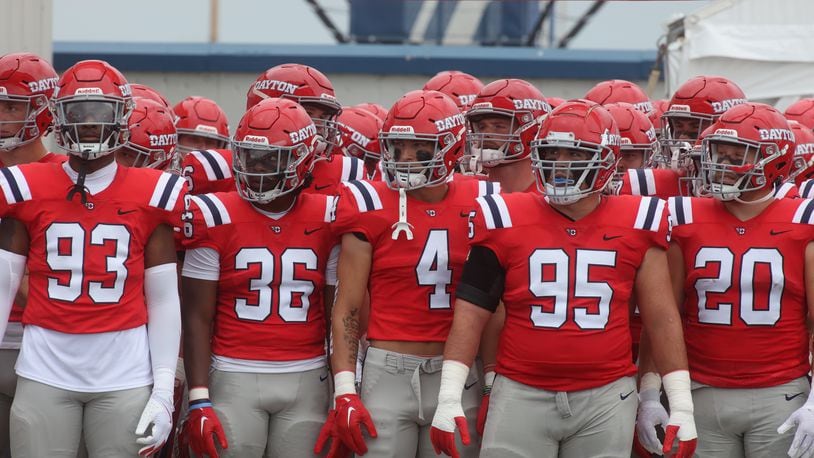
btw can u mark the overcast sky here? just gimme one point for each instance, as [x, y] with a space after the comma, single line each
[618, 25]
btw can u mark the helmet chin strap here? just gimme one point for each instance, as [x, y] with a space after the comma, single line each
[79, 187]
[768, 196]
[402, 225]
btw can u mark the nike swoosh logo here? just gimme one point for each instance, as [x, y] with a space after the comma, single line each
[774, 232]
[789, 398]
[322, 378]
[203, 421]
[607, 237]
[464, 214]
[350, 411]
[320, 188]
[307, 232]
[466, 387]
[124, 212]
[625, 396]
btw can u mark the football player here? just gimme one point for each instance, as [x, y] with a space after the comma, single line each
[616, 91]
[313, 90]
[565, 265]
[359, 138]
[153, 138]
[26, 85]
[203, 146]
[741, 264]
[803, 159]
[461, 87]
[254, 294]
[102, 319]
[404, 240]
[802, 111]
[638, 153]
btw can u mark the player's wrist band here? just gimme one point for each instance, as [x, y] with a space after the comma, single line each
[198, 392]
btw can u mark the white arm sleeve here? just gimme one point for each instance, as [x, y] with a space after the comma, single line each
[201, 264]
[12, 268]
[163, 325]
[330, 268]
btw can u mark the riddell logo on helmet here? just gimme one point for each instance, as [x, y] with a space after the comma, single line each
[449, 122]
[724, 105]
[275, 85]
[531, 104]
[89, 91]
[481, 106]
[776, 134]
[726, 132]
[206, 129]
[401, 130]
[43, 85]
[163, 140]
[681, 108]
[256, 139]
[302, 134]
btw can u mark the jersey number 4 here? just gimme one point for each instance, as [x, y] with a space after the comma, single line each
[433, 269]
[65, 252]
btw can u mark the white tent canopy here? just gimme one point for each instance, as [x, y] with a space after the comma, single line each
[765, 46]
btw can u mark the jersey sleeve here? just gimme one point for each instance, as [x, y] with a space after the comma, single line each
[15, 188]
[356, 202]
[205, 170]
[201, 214]
[167, 199]
[489, 215]
[652, 218]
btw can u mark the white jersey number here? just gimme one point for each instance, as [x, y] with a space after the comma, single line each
[65, 252]
[433, 269]
[559, 290]
[725, 259]
[288, 289]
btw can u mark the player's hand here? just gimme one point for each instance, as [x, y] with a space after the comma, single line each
[803, 419]
[650, 414]
[351, 414]
[488, 381]
[200, 425]
[681, 425]
[158, 413]
[448, 417]
[328, 432]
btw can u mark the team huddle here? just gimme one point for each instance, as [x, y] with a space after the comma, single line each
[479, 270]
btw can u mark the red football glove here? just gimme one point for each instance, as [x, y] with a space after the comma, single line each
[482, 411]
[328, 432]
[201, 423]
[638, 448]
[351, 414]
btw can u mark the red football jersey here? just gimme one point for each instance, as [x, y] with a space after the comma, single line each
[328, 174]
[17, 311]
[787, 191]
[86, 262]
[568, 285]
[661, 183]
[272, 274]
[412, 282]
[208, 171]
[745, 305]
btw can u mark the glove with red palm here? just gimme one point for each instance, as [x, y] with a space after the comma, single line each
[200, 425]
[328, 432]
[488, 381]
[351, 414]
[449, 415]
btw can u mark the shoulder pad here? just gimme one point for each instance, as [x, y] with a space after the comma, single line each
[214, 164]
[648, 217]
[166, 192]
[495, 212]
[212, 209]
[680, 210]
[365, 194]
[14, 185]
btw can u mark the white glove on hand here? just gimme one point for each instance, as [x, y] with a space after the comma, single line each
[803, 419]
[158, 413]
[650, 414]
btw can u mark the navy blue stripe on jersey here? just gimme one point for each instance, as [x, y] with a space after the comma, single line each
[490, 202]
[216, 217]
[642, 179]
[807, 189]
[679, 203]
[12, 182]
[354, 168]
[170, 186]
[365, 194]
[651, 212]
[213, 163]
[807, 212]
[490, 188]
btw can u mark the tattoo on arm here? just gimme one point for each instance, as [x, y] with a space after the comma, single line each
[351, 325]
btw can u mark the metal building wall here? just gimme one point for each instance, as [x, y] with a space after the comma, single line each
[25, 25]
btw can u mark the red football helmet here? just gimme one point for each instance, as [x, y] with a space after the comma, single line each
[523, 108]
[636, 130]
[697, 104]
[612, 91]
[91, 106]
[462, 87]
[588, 137]
[274, 147]
[142, 90]
[201, 117]
[375, 108]
[306, 86]
[359, 134]
[659, 107]
[554, 102]
[152, 135]
[27, 79]
[422, 116]
[803, 164]
[751, 146]
[802, 111]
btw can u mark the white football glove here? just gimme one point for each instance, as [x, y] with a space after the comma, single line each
[803, 418]
[650, 414]
[158, 413]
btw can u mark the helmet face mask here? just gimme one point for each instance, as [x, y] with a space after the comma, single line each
[92, 126]
[27, 84]
[424, 167]
[567, 168]
[493, 139]
[324, 117]
[267, 172]
[18, 119]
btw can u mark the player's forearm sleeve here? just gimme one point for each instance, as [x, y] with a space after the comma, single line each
[12, 268]
[482, 280]
[163, 324]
